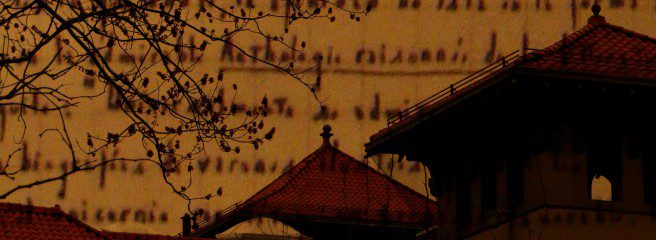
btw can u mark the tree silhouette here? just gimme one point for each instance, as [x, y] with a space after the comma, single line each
[175, 110]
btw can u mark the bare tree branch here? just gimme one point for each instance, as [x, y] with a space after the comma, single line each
[174, 109]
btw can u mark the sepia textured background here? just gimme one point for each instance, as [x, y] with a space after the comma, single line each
[400, 53]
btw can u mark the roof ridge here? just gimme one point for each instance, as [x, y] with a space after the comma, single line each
[288, 179]
[84, 225]
[630, 32]
[572, 38]
[17, 207]
[588, 28]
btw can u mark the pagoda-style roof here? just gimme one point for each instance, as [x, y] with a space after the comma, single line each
[331, 187]
[599, 51]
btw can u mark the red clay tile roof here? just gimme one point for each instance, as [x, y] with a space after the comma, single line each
[141, 236]
[39, 223]
[19, 221]
[331, 184]
[599, 48]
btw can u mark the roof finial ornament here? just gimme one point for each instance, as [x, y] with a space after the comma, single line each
[596, 19]
[326, 134]
[596, 9]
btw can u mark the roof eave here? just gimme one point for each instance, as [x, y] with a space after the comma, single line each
[347, 221]
[584, 76]
[382, 144]
[242, 215]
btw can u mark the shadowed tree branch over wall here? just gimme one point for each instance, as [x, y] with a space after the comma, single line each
[176, 109]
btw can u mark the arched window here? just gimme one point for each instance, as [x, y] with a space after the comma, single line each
[604, 153]
[601, 188]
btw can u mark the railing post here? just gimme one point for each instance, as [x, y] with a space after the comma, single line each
[186, 225]
[503, 61]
